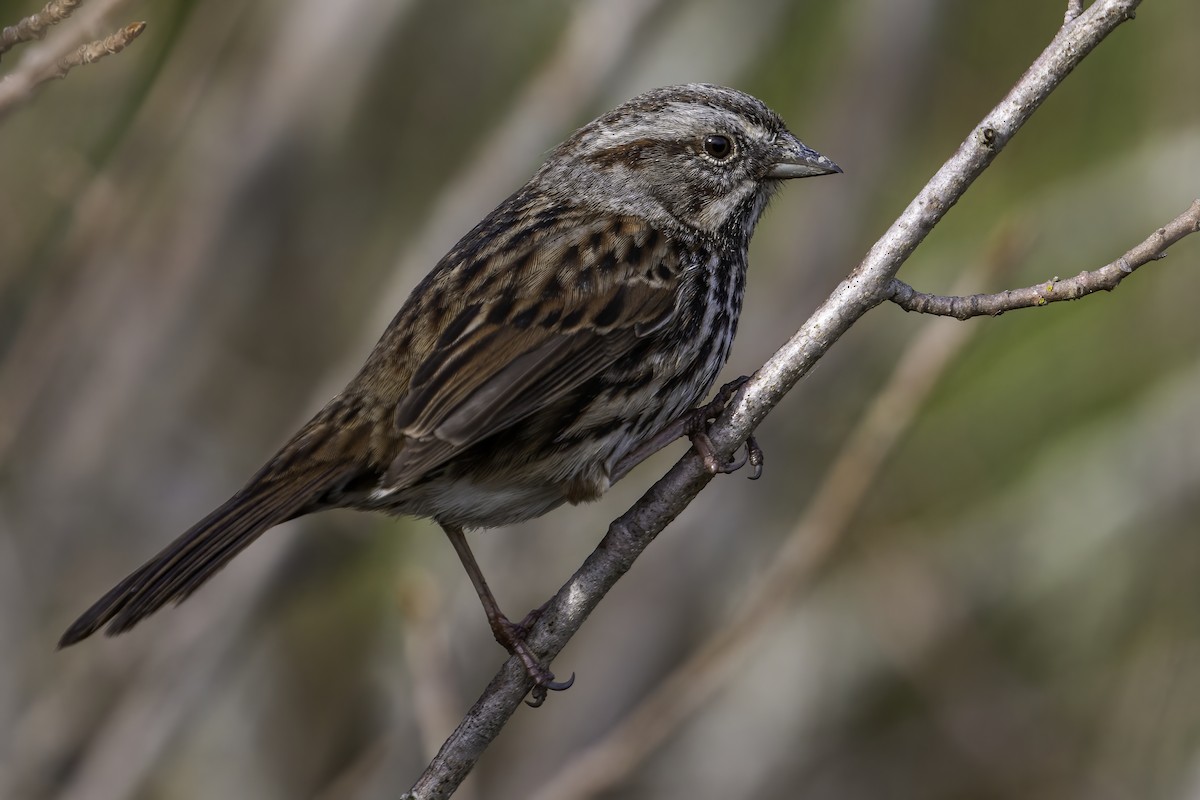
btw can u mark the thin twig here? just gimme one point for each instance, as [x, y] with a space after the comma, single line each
[865, 288]
[1056, 290]
[35, 25]
[1074, 9]
[19, 87]
[94, 51]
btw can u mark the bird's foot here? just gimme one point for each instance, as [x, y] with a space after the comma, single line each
[696, 424]
[752, 455]
[511, 636]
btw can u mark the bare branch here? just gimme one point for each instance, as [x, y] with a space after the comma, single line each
[19, 86]
[867, 286]
[1074, 9]
[35, 25]
[607, 762]
[1105, 278]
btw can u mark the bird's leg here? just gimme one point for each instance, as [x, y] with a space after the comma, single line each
[510, 636]
[694, 425]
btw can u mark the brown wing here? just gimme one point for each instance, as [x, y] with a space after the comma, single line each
[503, 359]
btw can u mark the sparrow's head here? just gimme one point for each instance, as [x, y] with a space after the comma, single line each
[698, 155]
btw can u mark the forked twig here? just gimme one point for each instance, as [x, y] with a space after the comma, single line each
[1055, 290]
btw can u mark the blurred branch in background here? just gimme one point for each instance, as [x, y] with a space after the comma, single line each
[35, 25]
[428, 650]
[41, 66]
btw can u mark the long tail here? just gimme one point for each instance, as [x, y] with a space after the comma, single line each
[197, 555]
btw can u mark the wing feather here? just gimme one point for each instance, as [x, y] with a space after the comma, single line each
[511, 358]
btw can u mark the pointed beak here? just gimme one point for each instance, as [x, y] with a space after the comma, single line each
[795, 160]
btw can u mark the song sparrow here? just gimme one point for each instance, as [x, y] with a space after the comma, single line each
[578, 319]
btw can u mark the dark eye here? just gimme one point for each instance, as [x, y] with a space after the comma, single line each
[718, 146]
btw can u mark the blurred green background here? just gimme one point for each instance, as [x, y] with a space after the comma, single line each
[201, 237]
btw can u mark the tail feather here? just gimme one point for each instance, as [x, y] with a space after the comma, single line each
[203, 550]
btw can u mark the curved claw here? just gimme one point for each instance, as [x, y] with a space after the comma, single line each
[754, 455]
[538, 695]
[736, 463]
[560, 686]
